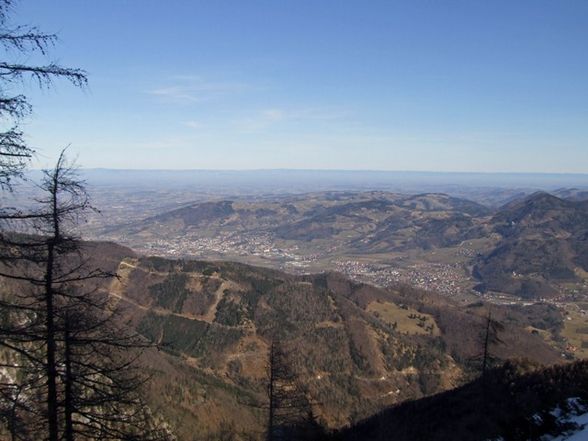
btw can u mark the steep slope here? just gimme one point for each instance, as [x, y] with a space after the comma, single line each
[443, 202]
[572, 194]
[368, 222]
[222, 317]
[356, 348]
[543, 245]
[515, 402]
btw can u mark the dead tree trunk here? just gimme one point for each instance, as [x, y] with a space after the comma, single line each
[68, 380]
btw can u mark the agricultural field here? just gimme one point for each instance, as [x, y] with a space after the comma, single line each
[404, 319]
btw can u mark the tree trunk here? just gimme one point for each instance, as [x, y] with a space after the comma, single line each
[486, 344]
[52, 411]
[270, 422]
[52, 398]
[69, 432]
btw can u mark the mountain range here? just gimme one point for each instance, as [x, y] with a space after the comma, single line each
[543, 245]
[532, 247]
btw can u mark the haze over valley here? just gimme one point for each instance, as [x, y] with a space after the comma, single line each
[294, 220]
[505, 245]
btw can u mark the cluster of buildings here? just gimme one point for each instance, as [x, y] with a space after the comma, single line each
[443, 278]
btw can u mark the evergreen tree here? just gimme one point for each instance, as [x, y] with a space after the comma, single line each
[65, 331]
[21, 40]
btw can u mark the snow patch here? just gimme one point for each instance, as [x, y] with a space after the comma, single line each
[575, 413]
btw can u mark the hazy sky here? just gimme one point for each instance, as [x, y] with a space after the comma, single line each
[388, 85]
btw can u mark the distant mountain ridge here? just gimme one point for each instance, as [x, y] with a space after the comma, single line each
[323, 217]
[531, 247]
[573, 194]
[544, 239]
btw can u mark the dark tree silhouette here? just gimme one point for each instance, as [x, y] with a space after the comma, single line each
[490, 337]
[290, 415]
[22, 40]
[31, 330]
[66, 363]
[64, 330]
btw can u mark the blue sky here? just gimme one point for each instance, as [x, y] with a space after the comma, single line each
[382, 85]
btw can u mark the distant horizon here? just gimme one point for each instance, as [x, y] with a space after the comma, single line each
[310, 180]
[323, 170]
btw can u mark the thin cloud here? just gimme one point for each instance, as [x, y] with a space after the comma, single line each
[194, 124]
[194, 89]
